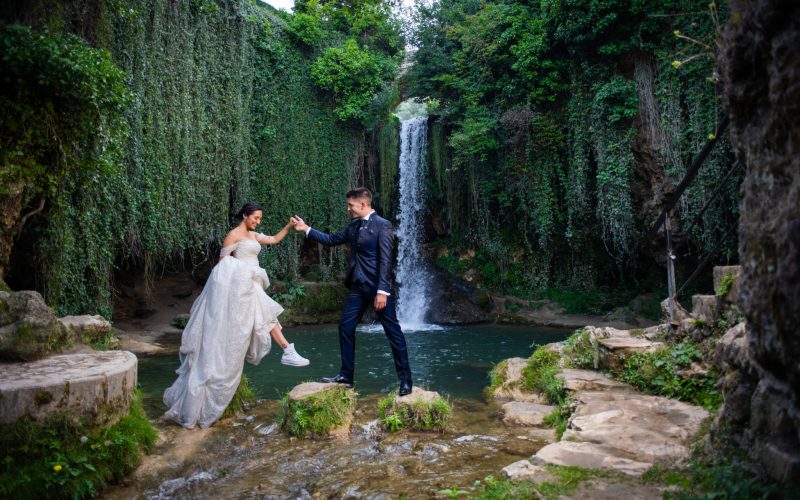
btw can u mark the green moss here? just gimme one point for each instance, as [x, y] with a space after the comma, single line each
[319, 414]
[4, 288]
[725, 285]
[242, 398]
[420, 416]
[65, 458]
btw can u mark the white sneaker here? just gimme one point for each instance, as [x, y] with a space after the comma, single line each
[291, 358]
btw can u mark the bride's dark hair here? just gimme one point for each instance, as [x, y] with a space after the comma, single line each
[247, 209]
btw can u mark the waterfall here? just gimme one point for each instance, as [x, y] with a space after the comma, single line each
[413, 274]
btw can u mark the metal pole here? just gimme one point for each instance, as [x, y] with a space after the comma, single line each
[670, 267]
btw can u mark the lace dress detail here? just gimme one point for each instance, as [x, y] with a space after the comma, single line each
[229, 324]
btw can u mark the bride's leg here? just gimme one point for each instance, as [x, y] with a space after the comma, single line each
[290, 356]
[277, 336]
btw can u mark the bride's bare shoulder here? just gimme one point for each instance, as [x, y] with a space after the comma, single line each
[233, 237]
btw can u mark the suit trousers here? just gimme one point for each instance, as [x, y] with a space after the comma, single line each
[358, 298]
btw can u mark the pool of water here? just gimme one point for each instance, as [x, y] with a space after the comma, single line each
[453, 360]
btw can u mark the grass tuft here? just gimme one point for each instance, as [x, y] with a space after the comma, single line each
[319, 414]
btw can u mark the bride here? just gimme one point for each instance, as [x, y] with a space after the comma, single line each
[231, 321]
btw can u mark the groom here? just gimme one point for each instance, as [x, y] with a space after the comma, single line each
[368, 280]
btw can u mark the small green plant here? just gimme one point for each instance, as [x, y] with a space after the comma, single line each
[179, 322]
[580, 351]
[242, 398]
[318, 414]
[725, 285]
[558, 419]
[656, 372]
[420, 415]
[511, 306]
[453, 492]
[540, 375]
[497, 377]
[294, 292]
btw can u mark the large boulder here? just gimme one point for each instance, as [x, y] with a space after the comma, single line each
[731, 278]
[511, 388]
[29, 329]
[760, 68]
[522, 413]
[93, 330]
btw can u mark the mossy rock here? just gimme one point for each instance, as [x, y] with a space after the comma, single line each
[29, 329]
[317, 410]
[421, 410]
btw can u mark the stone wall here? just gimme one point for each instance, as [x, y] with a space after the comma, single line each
[760, 67]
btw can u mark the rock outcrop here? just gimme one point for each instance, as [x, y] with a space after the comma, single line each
[29, 329]
[760, 68]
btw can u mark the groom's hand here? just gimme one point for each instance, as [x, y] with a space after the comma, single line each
[380, 301]
[299, 224]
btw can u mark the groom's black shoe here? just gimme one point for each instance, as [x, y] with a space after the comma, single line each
[405, 389]
[337, 379]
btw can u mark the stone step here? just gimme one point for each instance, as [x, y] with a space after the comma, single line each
[97, 385]
[589, 380]
[523, 413]
[624, 431]
[611, 351]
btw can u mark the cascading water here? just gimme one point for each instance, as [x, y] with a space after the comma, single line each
[413, 275]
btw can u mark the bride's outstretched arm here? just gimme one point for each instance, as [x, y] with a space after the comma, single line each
[273, 240]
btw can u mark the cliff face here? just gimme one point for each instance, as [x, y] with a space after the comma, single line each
[761, 69]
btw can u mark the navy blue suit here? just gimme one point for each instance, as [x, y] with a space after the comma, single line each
[368, 270]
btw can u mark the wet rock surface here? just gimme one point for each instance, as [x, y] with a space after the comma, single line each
[589, 380]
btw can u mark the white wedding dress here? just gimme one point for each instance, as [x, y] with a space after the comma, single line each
[229, 323]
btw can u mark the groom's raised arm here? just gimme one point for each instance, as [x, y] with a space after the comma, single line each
[319, 236]
[327, 239]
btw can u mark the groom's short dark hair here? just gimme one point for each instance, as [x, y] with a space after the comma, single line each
[360, 193]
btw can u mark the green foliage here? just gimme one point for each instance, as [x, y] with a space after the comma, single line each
[656, 372]
[543, 106]
[354, 75]
[219, 107]
[725, 285]
[497, 376]
[61, 128]
[421, 416]
[567, 479]
[242, 398]
[317, 414]
[540, 375]
[66, 458]
[580, 351]
[294, 292]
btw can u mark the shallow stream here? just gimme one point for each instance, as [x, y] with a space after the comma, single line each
[249, 457]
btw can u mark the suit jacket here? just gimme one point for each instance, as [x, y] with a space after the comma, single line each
[371, 247]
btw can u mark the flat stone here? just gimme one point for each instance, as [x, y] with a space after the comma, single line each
[417, 396]
[588, 380]
[587, 456]
[524, 470]
[612, 350]
[522, 413]
[307, 389]
[736, 272]
[94, 385]
[644, 428]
